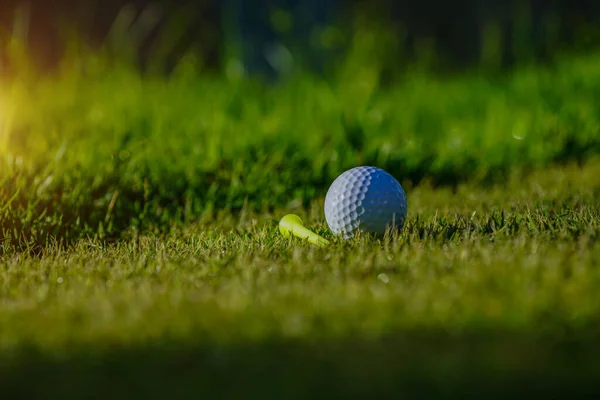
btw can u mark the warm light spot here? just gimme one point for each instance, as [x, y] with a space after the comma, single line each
[7, 114]
[3, 122]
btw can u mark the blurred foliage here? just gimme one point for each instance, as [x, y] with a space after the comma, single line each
[462, 33]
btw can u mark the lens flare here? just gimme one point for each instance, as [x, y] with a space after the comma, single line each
[7, 110]
[3, 122]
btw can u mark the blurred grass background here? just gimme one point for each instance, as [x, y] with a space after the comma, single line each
[143, 115]
[162, 141]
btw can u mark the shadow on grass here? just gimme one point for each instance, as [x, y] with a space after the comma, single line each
[415, 365]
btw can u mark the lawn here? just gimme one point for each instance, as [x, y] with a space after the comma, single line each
[140, 255]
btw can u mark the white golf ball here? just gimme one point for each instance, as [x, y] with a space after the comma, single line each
[365, 199]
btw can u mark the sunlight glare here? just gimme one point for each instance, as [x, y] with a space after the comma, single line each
[6, 116]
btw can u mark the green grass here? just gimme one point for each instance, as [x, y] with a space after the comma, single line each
[140, 254]
[486, 290]
[104, 150]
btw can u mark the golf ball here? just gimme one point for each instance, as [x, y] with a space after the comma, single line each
[365, 199]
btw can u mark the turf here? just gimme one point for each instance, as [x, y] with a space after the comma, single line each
[485, 290]
[140, 255]
[100, 149]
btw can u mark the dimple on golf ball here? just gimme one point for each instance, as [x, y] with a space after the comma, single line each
[365, 199]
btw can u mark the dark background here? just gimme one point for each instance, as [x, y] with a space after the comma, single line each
[528, 29]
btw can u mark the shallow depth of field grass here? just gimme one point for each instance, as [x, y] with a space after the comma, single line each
[140, 252]
[100, 150]
[485, 291]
